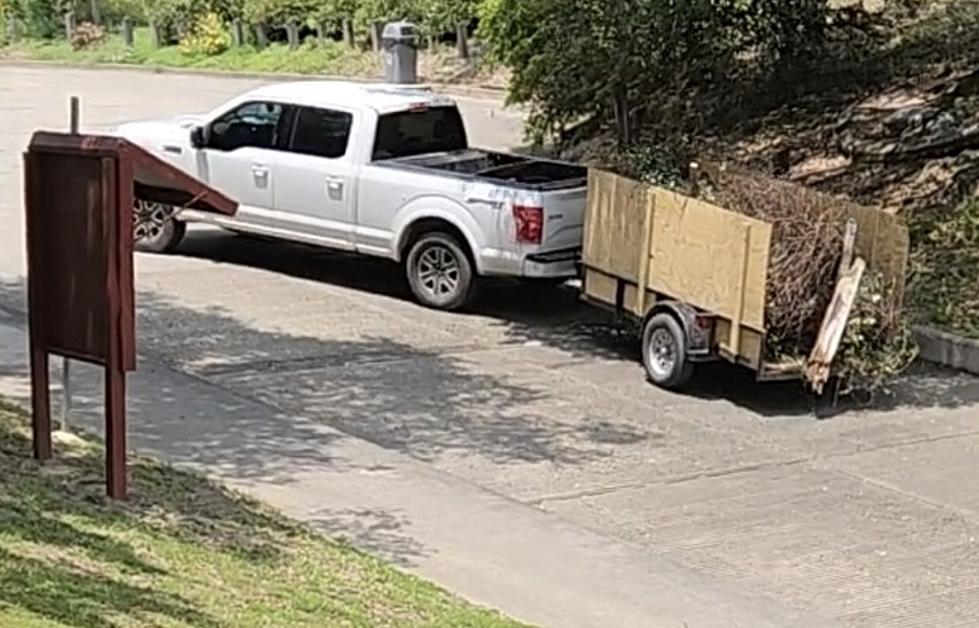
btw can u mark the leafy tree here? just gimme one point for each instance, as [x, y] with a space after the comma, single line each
[621, 61]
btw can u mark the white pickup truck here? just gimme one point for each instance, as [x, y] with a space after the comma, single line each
[380, 170]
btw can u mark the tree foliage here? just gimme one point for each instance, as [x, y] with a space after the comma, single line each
[619, 60]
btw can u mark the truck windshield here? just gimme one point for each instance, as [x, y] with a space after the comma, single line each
[419, 132]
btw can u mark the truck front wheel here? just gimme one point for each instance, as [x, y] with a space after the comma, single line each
[664, 352]
[439, 271]
[155, 230]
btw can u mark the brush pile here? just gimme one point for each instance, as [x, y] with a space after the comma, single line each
[807, 244]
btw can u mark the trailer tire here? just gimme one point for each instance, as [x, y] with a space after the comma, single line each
[664, 352]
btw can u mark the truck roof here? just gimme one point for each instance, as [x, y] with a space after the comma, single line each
[379, 97]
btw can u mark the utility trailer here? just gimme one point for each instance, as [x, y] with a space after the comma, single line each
[694, 277]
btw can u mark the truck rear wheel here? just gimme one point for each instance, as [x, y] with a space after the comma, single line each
[439, 271]
[664, 352]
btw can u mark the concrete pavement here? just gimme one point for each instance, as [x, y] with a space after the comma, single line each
[481, 544]
[423, 435]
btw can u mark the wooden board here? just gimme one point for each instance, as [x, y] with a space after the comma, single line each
[884, 244]
[613, 224]
[834, 326]
[711, 258]
[69, 274]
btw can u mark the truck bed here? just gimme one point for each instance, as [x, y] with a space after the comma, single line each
[524, 172]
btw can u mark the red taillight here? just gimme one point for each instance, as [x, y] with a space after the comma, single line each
[530, 223]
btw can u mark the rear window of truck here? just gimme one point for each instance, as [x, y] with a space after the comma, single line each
[419, 132]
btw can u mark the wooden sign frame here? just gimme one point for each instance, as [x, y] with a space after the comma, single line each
[80, 193]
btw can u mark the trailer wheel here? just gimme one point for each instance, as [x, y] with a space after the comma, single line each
[664, 352]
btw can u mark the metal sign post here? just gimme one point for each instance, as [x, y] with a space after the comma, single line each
[74, 115]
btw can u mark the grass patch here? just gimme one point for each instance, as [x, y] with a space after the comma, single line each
[311, 58]
[182, 551]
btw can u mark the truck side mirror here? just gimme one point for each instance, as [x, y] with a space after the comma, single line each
[197, 137]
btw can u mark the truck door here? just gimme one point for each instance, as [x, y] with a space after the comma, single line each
[239, 157]
[315, 192]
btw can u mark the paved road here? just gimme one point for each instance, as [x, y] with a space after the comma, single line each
[868, 517]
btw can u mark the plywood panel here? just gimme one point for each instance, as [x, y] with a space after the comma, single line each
[68, 280]
[751, 350]
[614, 224]
[700, 255]
[884, 243]
[599, 286]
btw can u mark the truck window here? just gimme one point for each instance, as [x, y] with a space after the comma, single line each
[252, 124]
[321, 132]
[419, 132]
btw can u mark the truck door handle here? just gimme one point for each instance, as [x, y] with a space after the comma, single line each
[170, 148]
[334, 188]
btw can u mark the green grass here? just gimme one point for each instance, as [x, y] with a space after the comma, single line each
[182, 551]
[311, 58]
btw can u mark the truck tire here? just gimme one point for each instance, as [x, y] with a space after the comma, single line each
[155, 230]
[439, 271]
[664, 352]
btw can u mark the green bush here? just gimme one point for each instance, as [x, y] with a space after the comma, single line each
[42, 19]
[113, 11]
[620, 61]
[279, 12]
[208, 36]
[180, 16]
[945, 268]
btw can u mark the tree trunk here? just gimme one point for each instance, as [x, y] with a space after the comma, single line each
[623, 123]
[96, 13]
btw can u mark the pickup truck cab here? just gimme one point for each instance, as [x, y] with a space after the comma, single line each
[379, 170]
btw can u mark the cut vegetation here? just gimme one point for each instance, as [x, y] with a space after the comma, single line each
[182, 551]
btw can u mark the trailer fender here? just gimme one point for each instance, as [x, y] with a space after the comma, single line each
[697, 335]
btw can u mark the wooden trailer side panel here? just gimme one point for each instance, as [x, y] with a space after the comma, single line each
[712, 258]
[678, 248]
[614, 224]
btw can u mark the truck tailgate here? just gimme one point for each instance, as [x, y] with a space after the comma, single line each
[564, 217]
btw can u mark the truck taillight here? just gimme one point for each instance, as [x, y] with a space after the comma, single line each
[530, 223]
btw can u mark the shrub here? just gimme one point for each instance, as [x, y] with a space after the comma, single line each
[620, 60]
[181, 16]
[208, 36]
[42, 19]
[878, 344]
[87, 35]
[945, 267]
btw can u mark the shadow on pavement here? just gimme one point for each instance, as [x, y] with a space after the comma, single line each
[424, 403]
[553, 316]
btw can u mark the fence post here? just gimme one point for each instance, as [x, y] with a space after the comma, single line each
[348, 32]
[156, 34]
[377, 35]
[69, 24]
[292, 33]
[237, 32]
[262, 35]
[127, 31]
[13, 30]
[462, 40]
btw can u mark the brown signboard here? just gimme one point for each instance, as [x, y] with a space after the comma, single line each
[80, 191]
